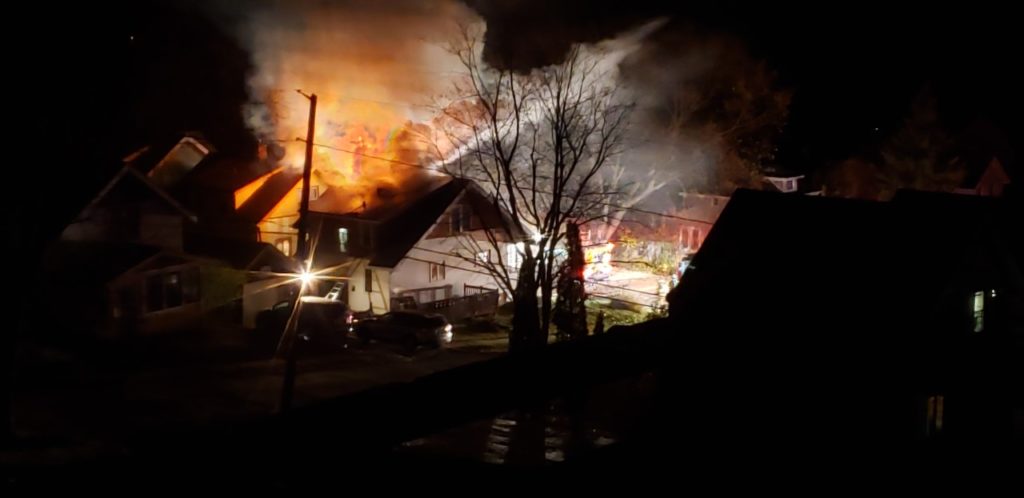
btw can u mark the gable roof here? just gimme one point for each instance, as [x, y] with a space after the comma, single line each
[256, 207]
[402, 233]
[132, 174]
[154, 160]
[376, 204]
[220, 172]
[976, 171]
[794, 261]
[406, 229]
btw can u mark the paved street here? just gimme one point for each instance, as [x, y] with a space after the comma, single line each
[79, 407]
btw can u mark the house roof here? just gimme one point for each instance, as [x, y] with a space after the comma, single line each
[133, 186]
[405, 230]
[406, 218]
[269, 194]
[220, 172]
[146, 159]
[798, 261]
[376, 204]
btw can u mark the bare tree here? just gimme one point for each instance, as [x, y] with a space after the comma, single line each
[622, 192]
[535, 143]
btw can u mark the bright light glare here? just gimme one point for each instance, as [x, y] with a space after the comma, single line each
[306, 277]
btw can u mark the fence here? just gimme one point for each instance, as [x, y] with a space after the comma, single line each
[484, 302]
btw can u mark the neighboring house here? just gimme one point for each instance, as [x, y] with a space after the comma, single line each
[990, 180]
[782, 180]
[411, 246]
[854, 321]
[988, 160]
[132, 208]
[121, 288]
[169, 215]
[166, 195]
[695, 217]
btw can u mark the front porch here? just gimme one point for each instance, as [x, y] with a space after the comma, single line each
[475, 301]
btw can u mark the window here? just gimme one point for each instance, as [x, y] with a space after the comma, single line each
[314, 192]
[484, 256]
[461, 219]
[437, 271]
[172, 289]
[343, 239]
[512, 258]
[284, 245]
[789, 186]
[934, 408]
[368, 280]
[979, 311]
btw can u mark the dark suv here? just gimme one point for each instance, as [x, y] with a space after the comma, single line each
[410, 329]
[321, 321]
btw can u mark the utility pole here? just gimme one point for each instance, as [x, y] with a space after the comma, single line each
[302, 248]
[287, 343]
[286, 348]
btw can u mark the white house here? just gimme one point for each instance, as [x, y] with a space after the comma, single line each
[424, 246]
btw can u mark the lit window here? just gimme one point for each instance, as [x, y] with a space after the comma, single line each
[934, 407]
[979, 311]
[284, 245]
[343, 239]
[484, 256]
[512, 259]
[437, 271]
[168, 290]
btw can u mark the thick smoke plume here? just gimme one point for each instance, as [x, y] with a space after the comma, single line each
[372, 65]
[376, 66]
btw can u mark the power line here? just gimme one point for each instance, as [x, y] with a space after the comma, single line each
[427, 168]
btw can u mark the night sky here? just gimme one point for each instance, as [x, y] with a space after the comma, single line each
[853, 66]
[97, 89]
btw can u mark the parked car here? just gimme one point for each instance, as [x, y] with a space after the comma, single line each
[321, 321]
[410, 329]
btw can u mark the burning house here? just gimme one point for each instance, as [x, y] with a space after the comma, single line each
[423, 247]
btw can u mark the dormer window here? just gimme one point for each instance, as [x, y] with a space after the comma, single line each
[343, 240]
